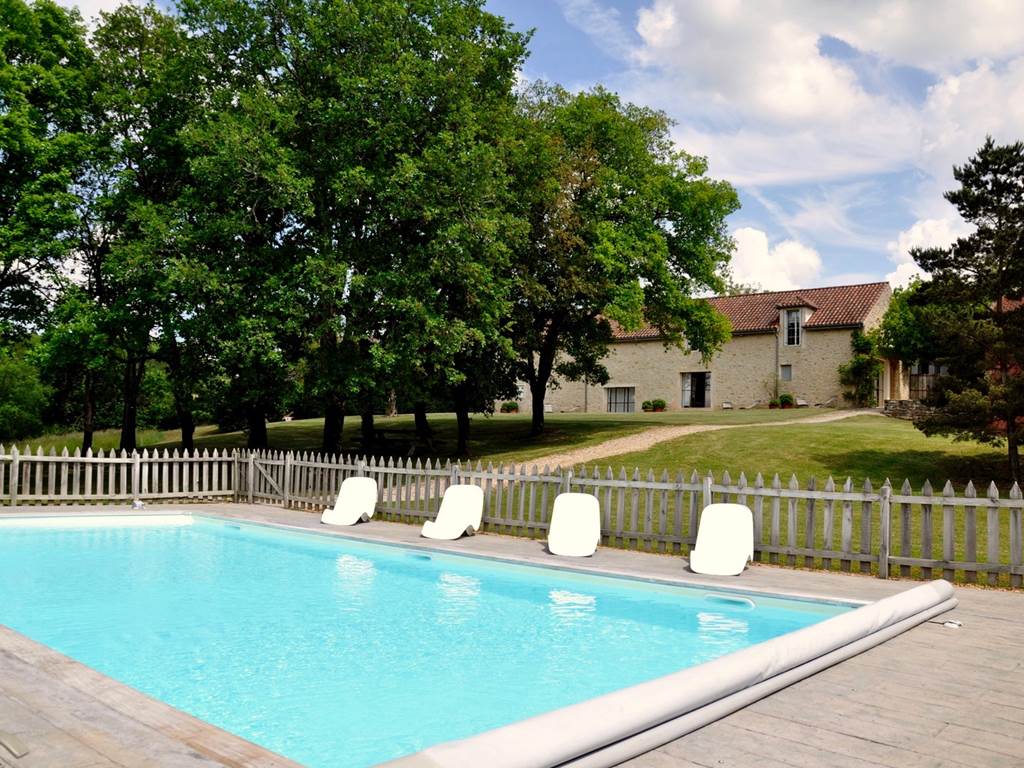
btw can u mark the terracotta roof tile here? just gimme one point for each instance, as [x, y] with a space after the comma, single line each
[840, 306]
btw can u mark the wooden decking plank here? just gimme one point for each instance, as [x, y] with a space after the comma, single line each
[887, 697]
[852, 745]
[761, 745]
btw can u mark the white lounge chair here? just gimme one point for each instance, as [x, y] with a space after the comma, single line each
[725, 540]
[575, 529]
[461, 512]
[356, 502]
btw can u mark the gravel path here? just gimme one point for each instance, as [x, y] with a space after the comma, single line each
[641, 441]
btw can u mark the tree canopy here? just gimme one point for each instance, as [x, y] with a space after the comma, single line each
[967, 316]
[240, 208]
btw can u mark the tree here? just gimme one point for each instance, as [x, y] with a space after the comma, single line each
[44, 86]
[971, 308]
[75, 357]
[623, 228]
[860, 374]
[22, 395]
[147, 91]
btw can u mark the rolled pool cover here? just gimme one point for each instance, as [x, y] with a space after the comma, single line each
[609, 729]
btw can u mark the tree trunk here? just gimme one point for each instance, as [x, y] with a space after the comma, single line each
[1013, 451]
[366, 429]
[89, 411]
[257, 425]
[539, 378]
[538, 390]
[462, 420]
[423, 430]
[182, 394]
[187, 424]
[133, 372]
[334, 425]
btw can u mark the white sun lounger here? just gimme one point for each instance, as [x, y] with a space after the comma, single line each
[575, 529]
[725, 540]
[461, 512]
[356, 502]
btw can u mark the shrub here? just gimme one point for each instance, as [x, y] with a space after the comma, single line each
[658, 404]
[22, 398]
[773, 403]
[786, 400]
[861, 373]
[647, 405]
[510, 406]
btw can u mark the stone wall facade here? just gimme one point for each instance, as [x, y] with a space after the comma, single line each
[742, 373]
[908, 410]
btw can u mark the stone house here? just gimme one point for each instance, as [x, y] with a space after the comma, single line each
[788, 341]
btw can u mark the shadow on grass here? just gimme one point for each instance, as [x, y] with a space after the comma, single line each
[918, 466]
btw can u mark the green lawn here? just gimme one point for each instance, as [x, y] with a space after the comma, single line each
[497, 438]
[864, 446]
[860, 447]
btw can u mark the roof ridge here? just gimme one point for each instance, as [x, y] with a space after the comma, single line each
[798, 290]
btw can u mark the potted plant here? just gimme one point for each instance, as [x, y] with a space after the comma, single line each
[658, 405]
[786, 400]
[773, 403]
[510, 406]
[647, 406]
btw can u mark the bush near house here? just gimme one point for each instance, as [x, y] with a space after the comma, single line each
[860, 374]
[510, 406]
[786, 400]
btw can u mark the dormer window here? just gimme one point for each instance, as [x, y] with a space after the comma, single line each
[794, 321]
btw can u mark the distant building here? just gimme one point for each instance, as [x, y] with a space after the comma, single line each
[788, 341]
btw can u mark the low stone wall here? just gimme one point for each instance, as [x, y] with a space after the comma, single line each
[906, 409]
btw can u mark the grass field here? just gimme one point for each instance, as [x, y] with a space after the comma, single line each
[860, 447]
[502, 437]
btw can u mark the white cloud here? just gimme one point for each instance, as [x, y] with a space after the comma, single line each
[752, 86]
[782, 267]
[962, 109]
[90, 9]
[601, 24]
[927, 233]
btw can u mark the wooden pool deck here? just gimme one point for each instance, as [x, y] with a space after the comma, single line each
[930, 697]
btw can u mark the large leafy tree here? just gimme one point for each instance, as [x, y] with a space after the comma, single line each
[44, 96]
[147, 90]
[970, 309]
[390, 116]
[623, 228]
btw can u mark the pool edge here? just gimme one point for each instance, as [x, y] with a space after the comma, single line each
[118, 716]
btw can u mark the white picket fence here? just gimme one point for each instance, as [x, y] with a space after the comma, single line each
[52, 478]
[867, 528]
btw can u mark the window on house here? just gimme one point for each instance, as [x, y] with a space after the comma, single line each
[786, 372]
[621, 399]
[793, 327]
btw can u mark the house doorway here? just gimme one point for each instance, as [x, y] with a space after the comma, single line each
[697, 389]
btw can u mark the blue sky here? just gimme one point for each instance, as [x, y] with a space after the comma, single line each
[838, 123]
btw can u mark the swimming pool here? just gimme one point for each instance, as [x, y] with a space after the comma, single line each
[341, 653]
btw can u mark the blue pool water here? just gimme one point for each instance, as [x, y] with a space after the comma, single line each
[339, 653]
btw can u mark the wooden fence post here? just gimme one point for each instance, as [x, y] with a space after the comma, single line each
[707, 496]
[250, 480]
[361, 467]
[234, 475]
[14, 476]
[136, 477]
[286, 484]
[884, 531]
